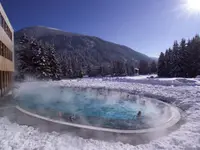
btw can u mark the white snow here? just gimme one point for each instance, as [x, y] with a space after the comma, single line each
[145, 79]
[187, 137]
[49, 28]
[54, 29]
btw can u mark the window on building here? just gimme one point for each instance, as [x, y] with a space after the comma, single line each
[5, 26]
[5, 52]
[0, 20]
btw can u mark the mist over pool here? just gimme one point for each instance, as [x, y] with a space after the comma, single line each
[185, 136]
[104, 108]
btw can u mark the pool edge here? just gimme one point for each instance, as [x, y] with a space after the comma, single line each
[176, 116]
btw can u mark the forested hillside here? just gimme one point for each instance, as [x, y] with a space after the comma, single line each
[182, 60]
[49, 53]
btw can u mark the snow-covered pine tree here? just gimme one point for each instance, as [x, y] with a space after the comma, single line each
[153, 67]
[76, 68]
[176, 59]
[22, 58]
[168, 62]
[184, 59]
[25, 57]
[161, 65]
[195, 56]
[53, 65]
[42, 70]
[63, 65]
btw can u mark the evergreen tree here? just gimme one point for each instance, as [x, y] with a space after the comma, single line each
[63, 66]
[40, 59]
[168, 62]
[182, 61]
[24, 58]
[128, 69]
[116, 68]
[28, 57]
[153, 67]
[53, 64]
[176, 60]
[161, 65]
[37, 59]
[195, 56]
[144, 67]
[76, 68]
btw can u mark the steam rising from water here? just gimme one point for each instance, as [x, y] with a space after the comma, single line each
[32, 137]
[46, 94]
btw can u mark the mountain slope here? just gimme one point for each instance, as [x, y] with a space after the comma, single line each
[70, 42]
[80, 49]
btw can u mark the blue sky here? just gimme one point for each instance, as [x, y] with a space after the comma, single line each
[147, 26]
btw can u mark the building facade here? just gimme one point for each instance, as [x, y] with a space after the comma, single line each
[6, 52]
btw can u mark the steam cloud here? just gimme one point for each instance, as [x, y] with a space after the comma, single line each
[149, 107]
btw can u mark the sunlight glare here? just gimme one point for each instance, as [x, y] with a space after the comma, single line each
[193, 6]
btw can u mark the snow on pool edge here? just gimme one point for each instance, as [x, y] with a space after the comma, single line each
[187, 137]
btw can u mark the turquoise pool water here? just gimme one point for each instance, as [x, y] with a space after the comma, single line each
[95, 107]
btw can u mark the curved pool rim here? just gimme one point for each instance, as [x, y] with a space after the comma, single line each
[174, 119]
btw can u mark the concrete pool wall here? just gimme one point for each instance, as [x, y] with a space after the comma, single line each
[175, 117]
[17, 115]
[168, 122]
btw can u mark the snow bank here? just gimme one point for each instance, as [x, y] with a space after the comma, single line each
[157, 81]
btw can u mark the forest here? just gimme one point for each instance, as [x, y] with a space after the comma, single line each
[39, 59]
[182, 60]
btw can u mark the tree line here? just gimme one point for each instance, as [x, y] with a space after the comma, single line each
[182, 60]
[40, 60]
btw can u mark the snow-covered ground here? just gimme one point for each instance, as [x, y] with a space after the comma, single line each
[157, 81]
[184, 95]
